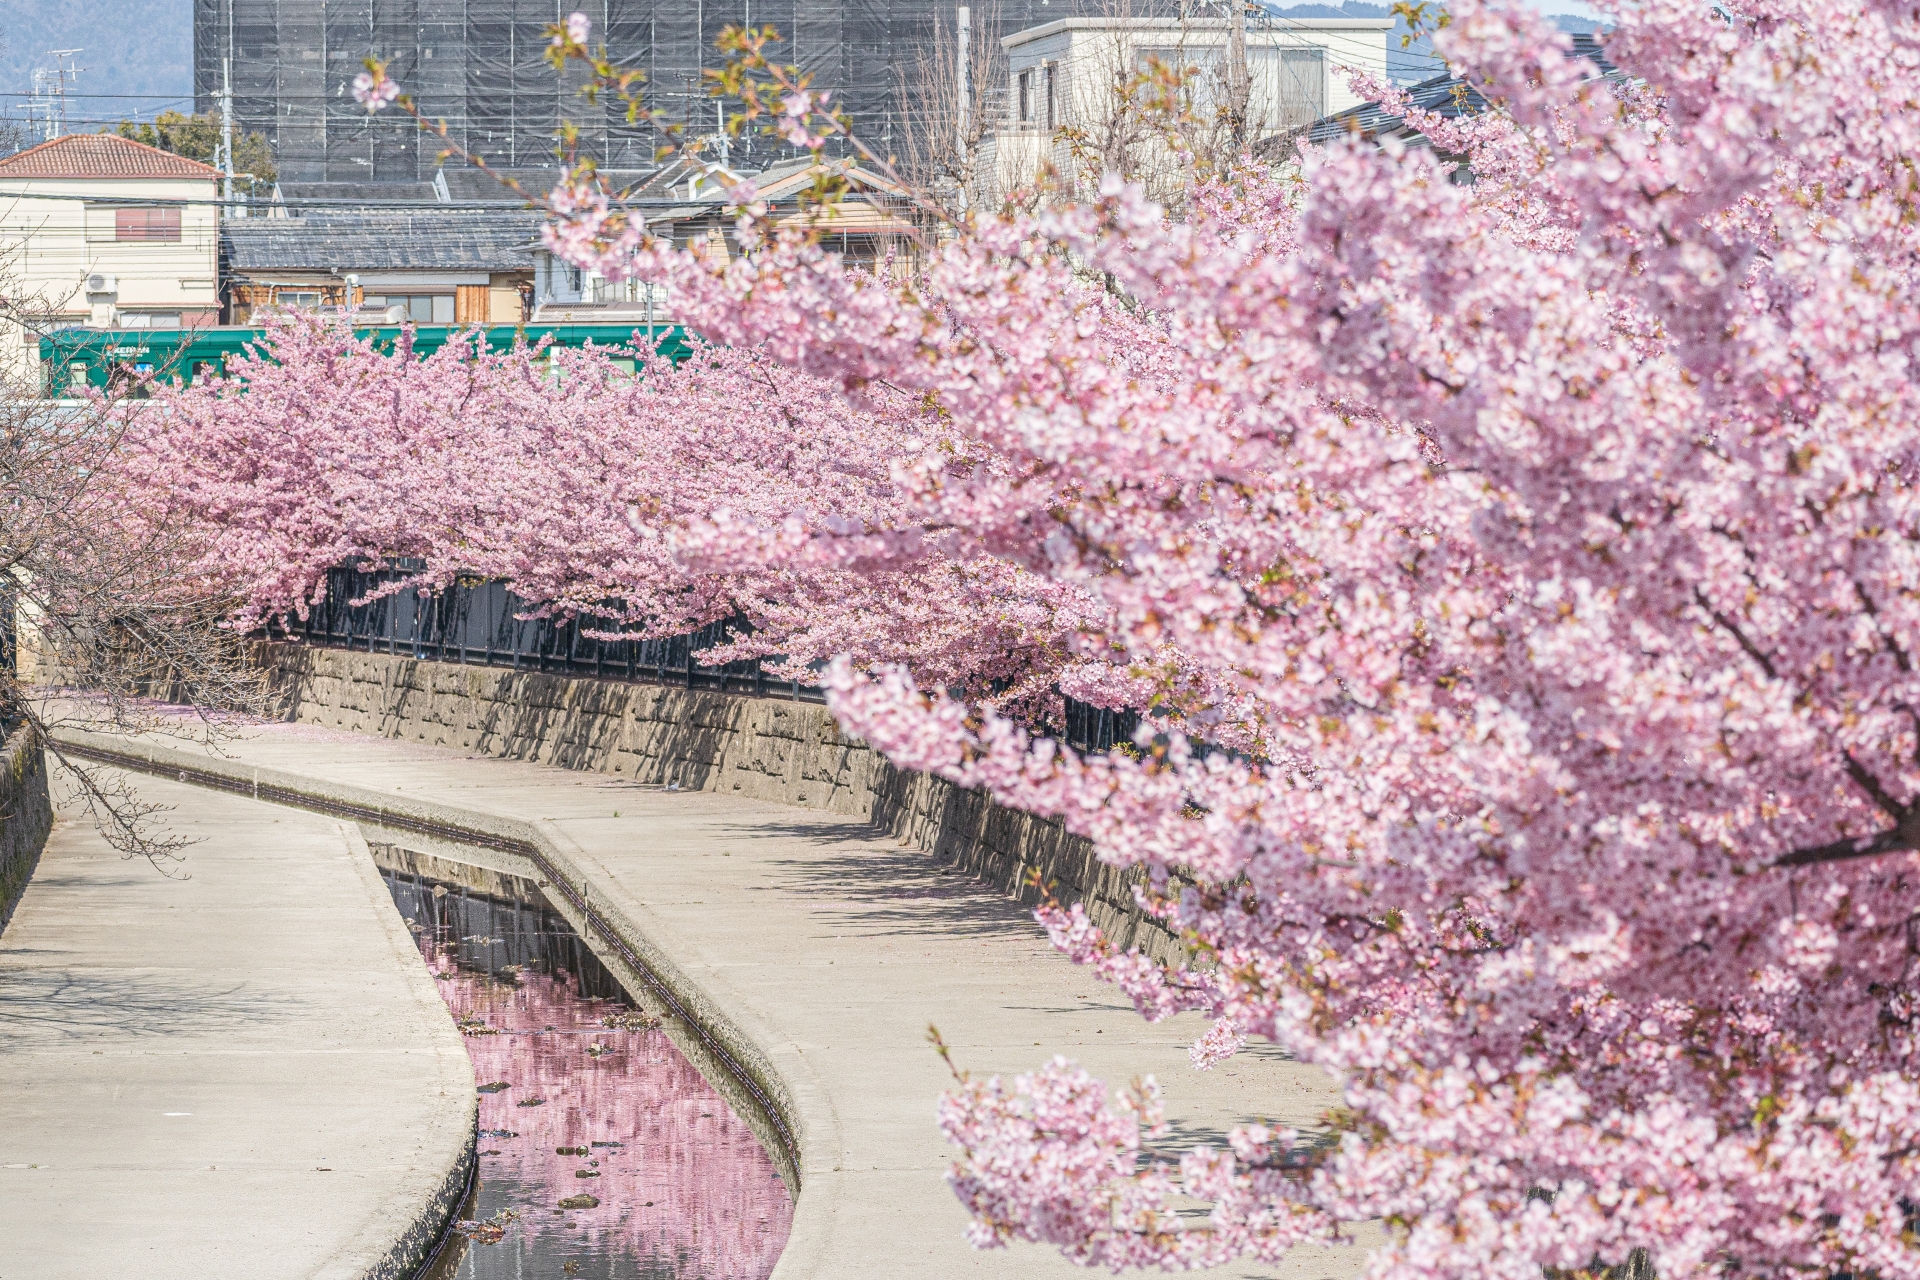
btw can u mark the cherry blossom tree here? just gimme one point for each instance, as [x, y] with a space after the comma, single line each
[96, 615]
[1543, 549]
[578, 484]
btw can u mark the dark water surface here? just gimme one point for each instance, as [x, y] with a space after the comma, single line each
[595, 1104]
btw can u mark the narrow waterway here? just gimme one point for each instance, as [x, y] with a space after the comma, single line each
[603, 1153]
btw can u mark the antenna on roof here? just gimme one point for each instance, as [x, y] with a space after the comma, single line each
[50, 91]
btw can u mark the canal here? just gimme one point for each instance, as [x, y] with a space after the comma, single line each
[603, 1153]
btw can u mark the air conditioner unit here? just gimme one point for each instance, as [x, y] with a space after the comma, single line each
[100, 282]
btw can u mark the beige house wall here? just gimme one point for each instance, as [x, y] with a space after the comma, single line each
[503, 297]
[53, 236]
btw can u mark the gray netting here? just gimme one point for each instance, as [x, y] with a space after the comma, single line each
[478, 65]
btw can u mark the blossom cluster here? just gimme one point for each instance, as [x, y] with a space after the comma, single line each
[374, 90]
[1545, 551]
[650, 502]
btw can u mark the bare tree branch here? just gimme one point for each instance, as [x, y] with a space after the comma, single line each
[103, 622]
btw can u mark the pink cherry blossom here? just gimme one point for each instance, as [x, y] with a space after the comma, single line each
[602, 493]
[1542, 551]
[374, 90]
[1519, 580]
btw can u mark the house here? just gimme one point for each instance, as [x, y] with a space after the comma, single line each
[452, 266]
[686, 202]
[103, 231]
[1085, 77]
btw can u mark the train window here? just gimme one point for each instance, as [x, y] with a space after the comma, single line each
[131, 380]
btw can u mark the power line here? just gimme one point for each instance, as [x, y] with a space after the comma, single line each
[169, 97]
[411, 206]
[260, 208]
[102, 120]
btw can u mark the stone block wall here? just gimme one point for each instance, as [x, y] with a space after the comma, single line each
[759, 748]
[26, 815]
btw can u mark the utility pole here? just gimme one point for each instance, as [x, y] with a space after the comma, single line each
[963, 62]
[964, 55]
[1239, 82]
[226, 132]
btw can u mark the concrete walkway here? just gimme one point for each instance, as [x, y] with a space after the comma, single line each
[242, 1073]
[830, 952]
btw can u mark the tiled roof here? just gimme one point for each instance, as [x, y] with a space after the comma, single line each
[300, 194]
[471, 184]
[381, 240]
[1445, 95]
[464, 186]
[101, 155]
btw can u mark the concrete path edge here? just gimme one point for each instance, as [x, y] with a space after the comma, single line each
[396, 1242]
[768, 1069]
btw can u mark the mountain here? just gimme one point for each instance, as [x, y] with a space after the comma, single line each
[131, 47]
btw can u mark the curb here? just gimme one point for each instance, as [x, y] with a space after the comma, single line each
[798, 1116]
[381, 1252]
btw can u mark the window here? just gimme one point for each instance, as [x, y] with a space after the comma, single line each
[149, 319]
[297, 298]
[1299, 79]
[146, 224]
[1050, 76]
[1024, 81]
[421, 308]
[131, 380]
[1175, 59]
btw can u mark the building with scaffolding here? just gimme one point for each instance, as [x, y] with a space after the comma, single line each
[480, 66]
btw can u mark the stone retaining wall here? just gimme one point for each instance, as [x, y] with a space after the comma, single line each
[760, 748]
[26, 815]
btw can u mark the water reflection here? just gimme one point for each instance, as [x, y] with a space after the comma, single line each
[583, 1105]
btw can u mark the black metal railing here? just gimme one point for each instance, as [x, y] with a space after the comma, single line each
[483, 623]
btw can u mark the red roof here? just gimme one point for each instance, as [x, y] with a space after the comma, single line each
[101, 155]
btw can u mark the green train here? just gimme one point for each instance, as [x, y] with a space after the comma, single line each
[99, 357]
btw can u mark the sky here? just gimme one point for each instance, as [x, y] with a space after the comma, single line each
[137, 56]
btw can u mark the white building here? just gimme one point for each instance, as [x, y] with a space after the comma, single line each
[1086, 76]
[102, 231]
